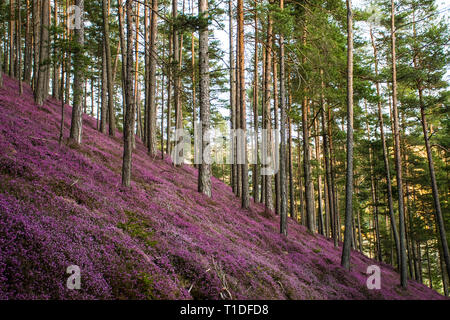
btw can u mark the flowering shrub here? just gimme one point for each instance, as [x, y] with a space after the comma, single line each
[160, 239]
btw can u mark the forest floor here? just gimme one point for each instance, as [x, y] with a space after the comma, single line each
[160, 239]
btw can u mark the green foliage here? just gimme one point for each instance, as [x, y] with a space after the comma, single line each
[138, 228]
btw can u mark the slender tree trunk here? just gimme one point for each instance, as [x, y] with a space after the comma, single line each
[61, 128]
[232, 97]
[147, 53]
[292, 209]
[398, 159]
[41, 85]
[152, 111]
[68, 62]
[276, 127]
[36, 39]
[300, 179]
[336, 221]
[12, 45]
[204, 173]
[386, 156]
[282, 170]
[19, 47]
[309, 192]
[104, 106]
[319, 178]
[124, 54]
[55, 80]
[28, 46]
[176, 75]
[373, 192]
[430, 278]
[109, 72]
[349, 179]
[326, 154]
[169, 101]
[242, 96]
[255, 173]
[136, 96]
[263, 123]
[130, 109]
[267, 137]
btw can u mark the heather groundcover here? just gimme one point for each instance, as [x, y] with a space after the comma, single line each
[160, 239]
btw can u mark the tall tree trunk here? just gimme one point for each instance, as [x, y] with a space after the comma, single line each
[385, 156]
[19, 47]
[349, 178]
[292, 210]
[242, 96]
[41, 85]
[282, 170]
[124, 54]
[255, 173]
[336, 221]
[373, 192]
[28, 46]
[61, 128]
[326, 154]
[36, 39]
[232, 96]
[309, 192]
[263, 115]
[319, 178]
[136, 96]
[12, 34]
[104, 106]
[68, 62]
[176, 75]
[238, 122]
[267, 137]
[204, 173]
[147, 53]
[128, 131]
[55, 79]
[398, 159]
[78, 80]
[152, 111]
[109, 72]
[430, 277]
[169, 101]
[276, 127]
[300, 179]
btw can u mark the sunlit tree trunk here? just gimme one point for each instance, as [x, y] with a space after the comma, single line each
[204, 173]
[128, 131]
[152, 109]
[255, 173]
[267, 138]
[282, 171]
[242, 96]
[398, 159]
[345, 262]
[41, 89]
[109, 75]
[309, 192]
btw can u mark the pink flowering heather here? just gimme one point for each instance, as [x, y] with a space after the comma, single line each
[160, 239]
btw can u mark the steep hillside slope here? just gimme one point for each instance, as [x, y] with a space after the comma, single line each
[62, 206]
